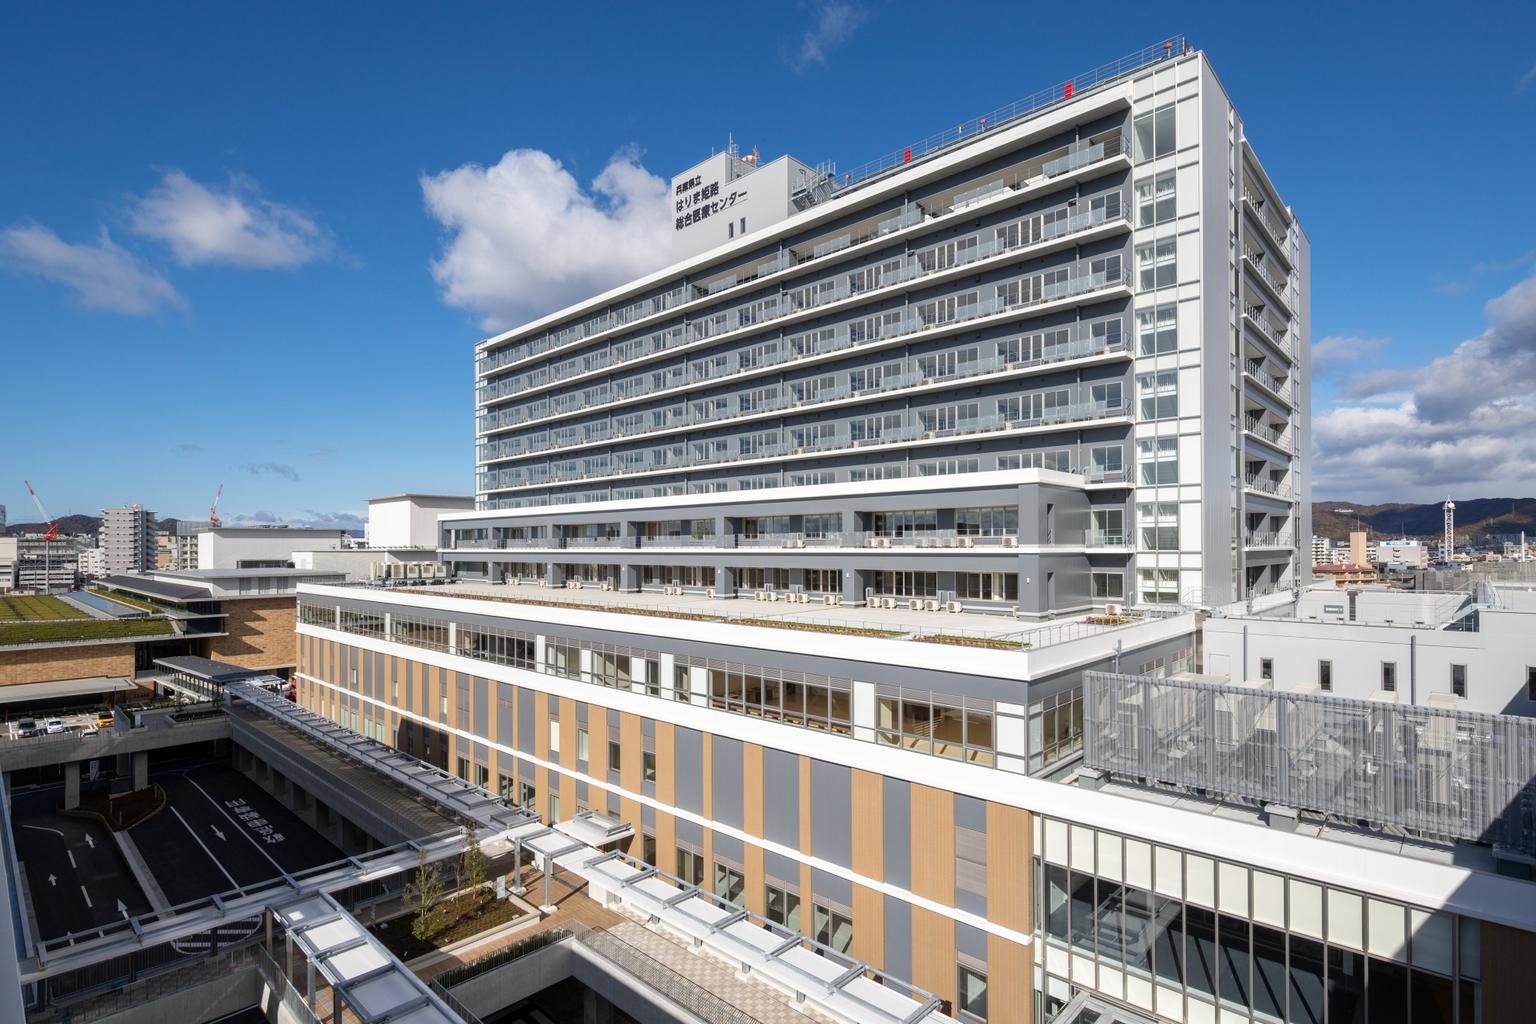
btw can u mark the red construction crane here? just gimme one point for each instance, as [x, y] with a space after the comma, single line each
[213, 510]
[53, 525]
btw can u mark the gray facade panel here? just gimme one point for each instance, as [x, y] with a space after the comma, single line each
[781, 798]
[832, 812]
[726, 784]
[689, 785]
[898, 937]
[897, 824]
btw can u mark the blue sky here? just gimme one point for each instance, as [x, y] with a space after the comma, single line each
[256, 245]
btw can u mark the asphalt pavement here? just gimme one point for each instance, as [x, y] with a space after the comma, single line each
[77, 876]
[220, 831]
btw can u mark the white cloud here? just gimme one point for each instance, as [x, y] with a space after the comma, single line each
[835, 23]
[102, 274]
[1468, 419]
[524, 237]
[1328, 353]
[233, 226]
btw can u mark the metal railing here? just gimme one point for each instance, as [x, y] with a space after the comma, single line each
[815, 295]
[1062, 92]
[282, 986]
[157, 986]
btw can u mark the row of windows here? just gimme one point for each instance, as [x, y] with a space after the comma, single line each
[1456, 680]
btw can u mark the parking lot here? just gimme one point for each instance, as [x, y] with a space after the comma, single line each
[218, 831]
[74, 721]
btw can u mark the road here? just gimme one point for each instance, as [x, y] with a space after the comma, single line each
[220, 831]
[76, 874]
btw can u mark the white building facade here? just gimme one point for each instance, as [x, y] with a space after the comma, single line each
[128, 538]
[1108, 287]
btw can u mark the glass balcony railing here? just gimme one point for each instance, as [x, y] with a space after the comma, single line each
[905, 373]
[955, 254]
[1074, 156]
[893, 429]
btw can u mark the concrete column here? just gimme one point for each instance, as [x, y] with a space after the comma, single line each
[853, 586]
[629, 578]
[140, 770]
[71, 785]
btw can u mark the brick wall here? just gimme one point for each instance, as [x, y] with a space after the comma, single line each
[46, 664]
[260, 633]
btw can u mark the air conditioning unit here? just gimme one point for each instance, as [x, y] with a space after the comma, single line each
[515, 581]
[805, 598]
[1010, 541]
[930, 605]
[915, 605]
[832, 600]
[711, 593]
[953, 607]
[773, 595]
[882, 542]
[607, 586]
[966, 542]
[890, 602]
[759, 595]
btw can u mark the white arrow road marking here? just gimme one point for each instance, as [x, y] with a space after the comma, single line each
[237, 827]
[121, 909]
[89, 841]
[216, 831]
[87, 897]
[53, 880]
[199, 841]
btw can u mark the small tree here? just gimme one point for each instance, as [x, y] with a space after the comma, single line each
[472, 868]
[424, 895]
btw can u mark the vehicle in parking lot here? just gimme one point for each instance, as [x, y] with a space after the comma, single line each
[89, 730]
[104, 719]
[26, 727]
[54, 726]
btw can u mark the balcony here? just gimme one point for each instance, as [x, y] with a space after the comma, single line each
[791, 306]
[1267, 486]
[1268, 540]
[1110, 148]
[906, 430]
[1275, 284]
[1269, 435]
[913, 374]
[1275, 386]
[1278, 338]
[1274, 228]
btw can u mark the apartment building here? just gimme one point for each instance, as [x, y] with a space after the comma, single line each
[128, 538]
[1107, 286]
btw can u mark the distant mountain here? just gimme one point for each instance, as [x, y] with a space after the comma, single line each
[1474, 517]
[67, 524]
[78, 524]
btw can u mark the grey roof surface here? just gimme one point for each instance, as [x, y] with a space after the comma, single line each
[159, 588]
[219, 574]
[206, 668]
[426, 497]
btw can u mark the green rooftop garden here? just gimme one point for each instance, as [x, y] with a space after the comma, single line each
[32, 632]
[37, 608]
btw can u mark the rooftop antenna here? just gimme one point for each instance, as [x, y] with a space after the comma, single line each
[730, 144]
[1449, 540]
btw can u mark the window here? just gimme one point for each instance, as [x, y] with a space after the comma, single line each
[987, 586]
[1159, 525]
[1108, 586]
[554, 736]
[1154, 133]
[1389, 676]
[1267, 669]
[648, 766]
[527, 796]
[1157, 265]
[554, 808]
[832, 928]
[971, 994]
[783, 905]
[1159, 457]
[1530, 683]
[581, 745]
[730, 884]
[504, 787]
[1106, 462]
[648, 849]
[1459, 680]
[1159, 394]
[1155, 200]
[1160, 586]
[463, 769]
[614, 758]
[1158, 329]
[1325, 676]
[690, 866]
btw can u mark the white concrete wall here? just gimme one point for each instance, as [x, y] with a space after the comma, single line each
[225, 549]
[1496, 657]
[410, 522]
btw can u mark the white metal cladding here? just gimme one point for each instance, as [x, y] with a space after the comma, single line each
[1452, 774]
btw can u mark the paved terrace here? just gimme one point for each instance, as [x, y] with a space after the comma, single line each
[895, 623]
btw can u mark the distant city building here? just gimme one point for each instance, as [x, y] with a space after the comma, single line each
[1362, 550]
[45, 566]
[1322, 549]
[128, 538]
[184, 542]
[2, 517]
[165, 547]
[93, 562]
[1346, 574]
[1402, 554]
[410, 520]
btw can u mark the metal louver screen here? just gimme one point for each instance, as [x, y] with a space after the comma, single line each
[1443, 773]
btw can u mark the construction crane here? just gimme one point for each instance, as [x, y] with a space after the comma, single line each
[213, 510]
[53, 525]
